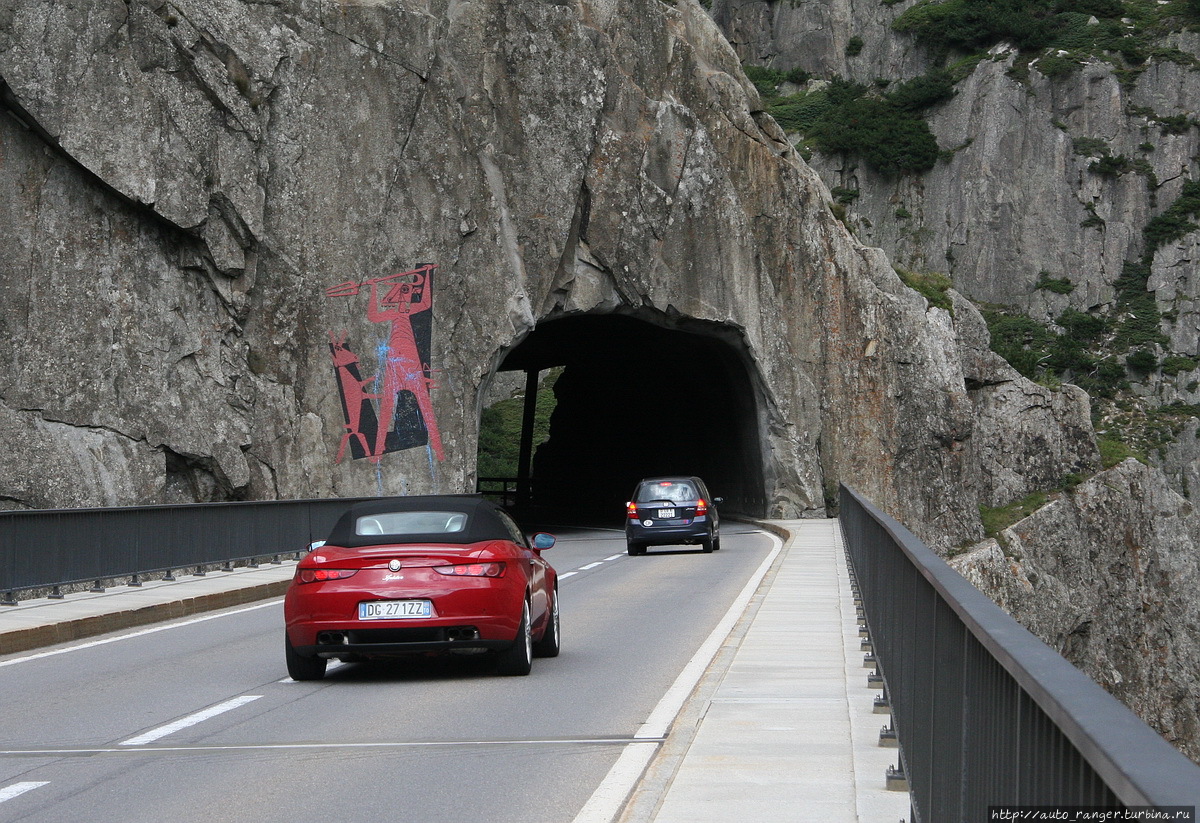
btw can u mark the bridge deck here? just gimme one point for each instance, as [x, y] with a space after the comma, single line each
[785, 727]
[781, 728]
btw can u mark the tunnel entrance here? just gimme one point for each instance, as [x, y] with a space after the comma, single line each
[637, 399]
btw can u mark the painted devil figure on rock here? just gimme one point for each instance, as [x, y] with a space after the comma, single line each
[392, 410]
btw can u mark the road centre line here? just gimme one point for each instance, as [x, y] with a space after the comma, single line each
[152, 630]
[190, 720]
[591, 565]
[18, 789]
[609, 797]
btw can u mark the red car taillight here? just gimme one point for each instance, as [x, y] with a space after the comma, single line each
[631, 511]
[701, 508]
[472, 570]
[321, 575]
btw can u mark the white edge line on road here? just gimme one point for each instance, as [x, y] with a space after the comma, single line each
[17, 789]
[565, 575]
[610, 795]
[613, 557]
[190, 720]
[591, 566]
[91, 643]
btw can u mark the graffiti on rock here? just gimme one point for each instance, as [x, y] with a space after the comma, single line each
[390, 411]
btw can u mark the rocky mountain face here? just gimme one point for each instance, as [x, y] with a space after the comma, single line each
[201, 196]
[1108, 575]
[1062, 178]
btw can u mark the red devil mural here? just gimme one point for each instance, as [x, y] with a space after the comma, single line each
[391, 411]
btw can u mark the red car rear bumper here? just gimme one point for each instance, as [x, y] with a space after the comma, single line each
[322, 618]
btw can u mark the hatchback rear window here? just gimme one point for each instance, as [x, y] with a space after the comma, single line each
[667, 490]
[396, 523]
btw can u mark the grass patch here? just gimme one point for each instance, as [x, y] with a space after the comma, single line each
[931, 285]
[1114, 451]
[882, 126]
[1065, 32]
[996, 520]
[1058, 285]
[1174, 364]
[500, 429]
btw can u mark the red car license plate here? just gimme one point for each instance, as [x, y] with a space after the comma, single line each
[395, 609]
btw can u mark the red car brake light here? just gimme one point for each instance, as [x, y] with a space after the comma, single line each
[472, 570]
[701, 507]
[631, 511]
[321, 575]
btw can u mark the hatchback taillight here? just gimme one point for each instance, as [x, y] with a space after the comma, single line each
[631, 511]
[701, 507]
[472, 570]
[321, 575]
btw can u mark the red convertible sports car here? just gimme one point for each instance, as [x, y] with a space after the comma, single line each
[407, 575]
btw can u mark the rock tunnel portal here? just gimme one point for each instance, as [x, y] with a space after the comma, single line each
[638, 399]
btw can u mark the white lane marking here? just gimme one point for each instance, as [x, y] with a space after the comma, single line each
[190, 720]
[18, 789]
[609, 797]
[591, 566]
[91, 643]
[614, 557]
[565, 575]
[582, 741]
[330, 666]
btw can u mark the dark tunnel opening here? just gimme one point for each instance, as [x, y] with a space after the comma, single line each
[636, 399]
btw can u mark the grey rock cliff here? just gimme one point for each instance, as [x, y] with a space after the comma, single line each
[1109, 576]
[1106, 574]
[190, 178]
[1026, 437]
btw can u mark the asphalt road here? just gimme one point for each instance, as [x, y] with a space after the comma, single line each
[198, 721]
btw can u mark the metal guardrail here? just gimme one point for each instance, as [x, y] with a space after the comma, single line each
[52, 548]
[987, 714]
[502, 490]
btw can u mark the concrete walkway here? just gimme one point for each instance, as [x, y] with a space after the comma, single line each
[43, 622]
[780, 729]
[783, 728]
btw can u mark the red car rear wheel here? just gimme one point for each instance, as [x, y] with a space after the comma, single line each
[518, 660]
[302, 668]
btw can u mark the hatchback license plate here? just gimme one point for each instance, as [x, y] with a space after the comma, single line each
[663, 514]
[395, 609]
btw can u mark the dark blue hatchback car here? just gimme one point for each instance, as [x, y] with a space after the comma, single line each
[670, 510]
